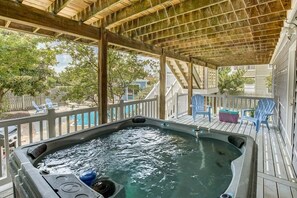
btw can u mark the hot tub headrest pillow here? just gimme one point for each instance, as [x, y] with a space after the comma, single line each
[138, 119]
[236, 141]
[36, 151]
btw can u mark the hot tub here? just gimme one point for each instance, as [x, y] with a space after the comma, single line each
[141, 157]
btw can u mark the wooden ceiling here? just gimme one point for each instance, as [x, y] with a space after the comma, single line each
[219, 32]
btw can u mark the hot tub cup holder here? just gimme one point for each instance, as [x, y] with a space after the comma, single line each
[105, 187]
[226, 195]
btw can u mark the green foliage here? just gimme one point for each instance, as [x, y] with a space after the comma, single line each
[268, 81]
[26, 63]
[231, 83]
[81, 76]
[249, 80]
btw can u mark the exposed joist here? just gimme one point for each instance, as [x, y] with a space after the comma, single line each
[265, 43]
[237, 38]
[201, 15]
[27, 15]
[138, 9]
[198, 29]
[173, 11]
[94, 9]
[58, 5]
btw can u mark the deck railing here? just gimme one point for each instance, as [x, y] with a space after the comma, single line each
[52, 124]
[217, 102]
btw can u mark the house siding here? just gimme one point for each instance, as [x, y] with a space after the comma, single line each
[280, 81]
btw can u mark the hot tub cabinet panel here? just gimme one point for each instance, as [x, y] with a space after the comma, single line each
[29, 182]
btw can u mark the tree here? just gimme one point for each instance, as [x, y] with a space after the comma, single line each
[26, 64]
[81, 80]
[268, 81]
[231, 83]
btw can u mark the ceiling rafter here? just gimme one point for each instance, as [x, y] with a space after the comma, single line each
[58, 5]
[225, 38]
[202, 25]
[171, 12]
[139, 9]
[179, 40]
[95, 9]
[198, 15]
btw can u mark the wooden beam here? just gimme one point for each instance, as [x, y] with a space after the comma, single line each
[162, 90]
[190, 87]
[59, 5]
[102, 78]
[132, 44]
[138, 9]
[122, 41]
[27, 15]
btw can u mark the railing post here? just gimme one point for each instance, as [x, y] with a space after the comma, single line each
[215, 105]
[121, 109]
[51, 119]
[176, 105]
[23, 102]
[157, 106]
[224, 101]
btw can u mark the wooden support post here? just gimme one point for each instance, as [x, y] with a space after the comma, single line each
[190, 87]
[162, 86]
[215, 106]
[102, 77]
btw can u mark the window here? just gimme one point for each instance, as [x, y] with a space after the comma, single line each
[250, 67]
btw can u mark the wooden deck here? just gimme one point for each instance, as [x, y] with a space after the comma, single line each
[276, 178]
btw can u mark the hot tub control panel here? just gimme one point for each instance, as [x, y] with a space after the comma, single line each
[69, 186]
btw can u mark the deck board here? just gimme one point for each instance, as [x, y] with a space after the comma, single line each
[276, 178]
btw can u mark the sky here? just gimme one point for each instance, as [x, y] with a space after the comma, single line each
[63, 61]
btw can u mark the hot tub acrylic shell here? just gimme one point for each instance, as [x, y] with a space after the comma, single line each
[28, 182]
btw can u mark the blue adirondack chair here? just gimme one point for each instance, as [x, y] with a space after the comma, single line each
[198, 107]
[263, 111]
[39, 109]
[50, 104]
